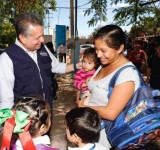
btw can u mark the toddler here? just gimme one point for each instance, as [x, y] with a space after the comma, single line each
[83, 128]
[89, 64]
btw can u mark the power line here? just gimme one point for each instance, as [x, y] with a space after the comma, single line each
[83, 4]
[81, 8]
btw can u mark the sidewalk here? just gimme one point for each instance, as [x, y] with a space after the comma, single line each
[66, 97]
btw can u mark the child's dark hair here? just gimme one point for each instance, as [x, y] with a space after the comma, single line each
[85, 122]
[38, 110]
[112, 35]
[90, 53]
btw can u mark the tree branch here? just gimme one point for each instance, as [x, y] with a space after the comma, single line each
[148, 3]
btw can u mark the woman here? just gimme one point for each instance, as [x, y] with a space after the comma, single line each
[109, 44]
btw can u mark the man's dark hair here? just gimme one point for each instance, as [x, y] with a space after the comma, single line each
[23, 21]
[85, 122]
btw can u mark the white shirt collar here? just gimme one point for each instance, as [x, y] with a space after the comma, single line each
[85, 147]
[39, 140]
[21, 46]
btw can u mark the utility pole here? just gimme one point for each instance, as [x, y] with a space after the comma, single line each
[48, 22]
[72, 27]
[72, 19]
[77, 45]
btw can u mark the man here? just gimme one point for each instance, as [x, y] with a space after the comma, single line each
[64, 52]
[60, 52]
[137, 56]
[151, 48]
[26, 66]
[153, 70]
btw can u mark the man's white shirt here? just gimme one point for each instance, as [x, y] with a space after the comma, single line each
[7, 74]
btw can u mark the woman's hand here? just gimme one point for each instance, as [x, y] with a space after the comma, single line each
[80, 103]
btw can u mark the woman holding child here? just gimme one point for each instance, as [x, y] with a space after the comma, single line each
[109, 45]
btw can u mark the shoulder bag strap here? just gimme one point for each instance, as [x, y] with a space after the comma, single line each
[116, 75]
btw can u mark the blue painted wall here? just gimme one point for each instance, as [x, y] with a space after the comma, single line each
[60, 35]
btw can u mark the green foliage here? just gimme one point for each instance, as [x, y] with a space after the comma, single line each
[7, 35]
[98, 7]
[11, 8]
[131, 14]
[148, 26]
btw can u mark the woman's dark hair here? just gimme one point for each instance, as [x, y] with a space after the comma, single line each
[90, 53]
[113, 36]
[85, 122]
[38, 110]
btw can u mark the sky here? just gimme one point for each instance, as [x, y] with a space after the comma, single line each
[61, 17]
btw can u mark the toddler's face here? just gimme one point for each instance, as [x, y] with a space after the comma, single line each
[88, 64]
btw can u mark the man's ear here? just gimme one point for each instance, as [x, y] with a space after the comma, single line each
[22, 38]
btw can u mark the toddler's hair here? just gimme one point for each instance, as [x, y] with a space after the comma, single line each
[38, 110]
[90, 53]
[85, 122]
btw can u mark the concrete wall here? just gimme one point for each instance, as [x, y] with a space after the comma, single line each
[47, 38]
[81, 41]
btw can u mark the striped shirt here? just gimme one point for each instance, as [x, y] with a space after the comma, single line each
[81, 77]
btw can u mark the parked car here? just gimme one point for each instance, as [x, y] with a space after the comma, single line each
[83, 47]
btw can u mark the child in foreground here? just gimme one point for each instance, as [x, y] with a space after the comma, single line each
[32, 119]
[83, 127]
[89, 64]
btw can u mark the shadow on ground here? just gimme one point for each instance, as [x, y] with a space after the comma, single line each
[66, 96]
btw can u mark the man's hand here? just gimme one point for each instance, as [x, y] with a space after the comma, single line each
[79, 65]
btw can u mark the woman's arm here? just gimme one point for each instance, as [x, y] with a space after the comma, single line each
[120, 96]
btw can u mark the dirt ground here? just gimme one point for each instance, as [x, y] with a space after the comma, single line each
[66, 96]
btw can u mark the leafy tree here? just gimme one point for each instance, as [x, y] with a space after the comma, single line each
[98, 7]
[7, 34]
[11, 8]
[147, 25]
[131, 14]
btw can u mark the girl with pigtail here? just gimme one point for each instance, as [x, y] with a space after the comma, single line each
[23, 127]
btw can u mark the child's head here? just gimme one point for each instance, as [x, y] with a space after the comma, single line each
[90, 60]
[83, 125]
[39, 113]
[29, 118]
